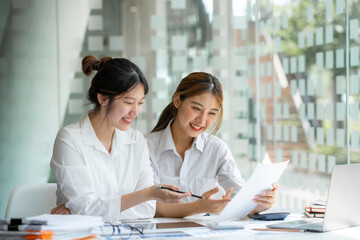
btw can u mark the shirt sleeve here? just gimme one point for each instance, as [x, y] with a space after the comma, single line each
[153, 162]
[145, 209]
[74, 182]
[228, 173]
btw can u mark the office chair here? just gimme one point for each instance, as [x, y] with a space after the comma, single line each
[31, 200]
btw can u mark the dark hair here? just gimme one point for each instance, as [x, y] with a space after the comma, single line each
[194, 84]
[114, 76]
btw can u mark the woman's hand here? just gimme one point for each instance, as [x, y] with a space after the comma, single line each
[166, 196]
[61, 210]
[214, 206]
[265, 200]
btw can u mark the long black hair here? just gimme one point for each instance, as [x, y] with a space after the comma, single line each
[115, 76]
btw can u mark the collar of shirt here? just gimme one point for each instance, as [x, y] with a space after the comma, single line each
[166, 141]
[120, 138]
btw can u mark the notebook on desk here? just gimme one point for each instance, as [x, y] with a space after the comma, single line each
[342, 208]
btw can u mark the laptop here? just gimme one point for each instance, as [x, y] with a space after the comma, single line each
[342, 208]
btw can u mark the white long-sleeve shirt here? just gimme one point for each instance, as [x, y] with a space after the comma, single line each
[91, 181]
[207, 160]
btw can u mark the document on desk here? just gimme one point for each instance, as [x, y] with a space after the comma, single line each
[261, 179]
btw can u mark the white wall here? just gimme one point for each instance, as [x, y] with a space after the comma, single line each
[35, 85]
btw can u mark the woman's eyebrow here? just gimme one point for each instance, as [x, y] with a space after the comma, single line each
[132, 98]
[197, 103]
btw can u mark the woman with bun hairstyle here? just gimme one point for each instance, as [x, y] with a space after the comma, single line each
[183, 154]
[102, 165]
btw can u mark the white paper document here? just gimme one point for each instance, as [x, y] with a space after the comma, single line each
[261, 180]
[57, 222]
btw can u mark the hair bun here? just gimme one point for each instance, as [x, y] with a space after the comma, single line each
[96, 66]
[89, 64]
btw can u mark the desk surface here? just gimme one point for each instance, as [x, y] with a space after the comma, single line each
[343, 234]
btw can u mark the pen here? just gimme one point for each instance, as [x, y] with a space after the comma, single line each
[193, 195]
[278, 229]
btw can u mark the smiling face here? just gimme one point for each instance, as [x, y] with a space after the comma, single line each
[125, 108]
[195, 114]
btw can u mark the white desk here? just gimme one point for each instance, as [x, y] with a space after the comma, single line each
[342, 234]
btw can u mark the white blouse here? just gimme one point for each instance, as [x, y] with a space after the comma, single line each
[91, 181]
[206, 162]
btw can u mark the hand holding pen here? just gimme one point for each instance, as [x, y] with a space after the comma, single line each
[205, 204]
[170, 195]
[170, 189]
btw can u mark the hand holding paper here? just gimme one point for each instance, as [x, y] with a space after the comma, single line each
[261, 179]
[265, 200]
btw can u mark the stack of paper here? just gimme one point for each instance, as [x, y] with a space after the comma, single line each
[48, 226]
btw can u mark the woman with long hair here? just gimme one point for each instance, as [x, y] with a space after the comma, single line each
[183, 154]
